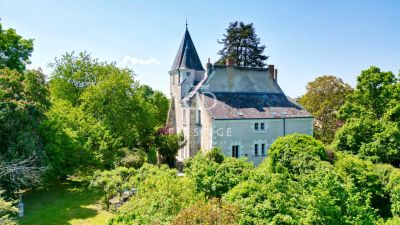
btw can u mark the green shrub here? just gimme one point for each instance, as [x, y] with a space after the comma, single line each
[135, 158]
[215, 154]
[295, 154]
[161, 196]
[213, 178]
[212, 212]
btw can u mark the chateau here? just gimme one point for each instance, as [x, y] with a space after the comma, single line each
[240, 109]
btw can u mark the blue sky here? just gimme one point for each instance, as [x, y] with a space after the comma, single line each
[304, 39]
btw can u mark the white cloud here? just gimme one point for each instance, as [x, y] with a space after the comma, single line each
[132, 61]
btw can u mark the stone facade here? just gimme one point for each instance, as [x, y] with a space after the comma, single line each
[240, 109]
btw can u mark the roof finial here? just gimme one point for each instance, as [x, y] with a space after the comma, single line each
[186, 23]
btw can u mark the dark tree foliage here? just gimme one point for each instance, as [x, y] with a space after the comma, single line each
[23, 104]
[14, 50]
[242, 44]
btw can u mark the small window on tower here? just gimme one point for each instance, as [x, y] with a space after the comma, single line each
[198, 118]
[184, 116]
[187, 74]
[255, 126]
[262, 126]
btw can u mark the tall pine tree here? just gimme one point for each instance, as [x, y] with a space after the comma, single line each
[242, 45]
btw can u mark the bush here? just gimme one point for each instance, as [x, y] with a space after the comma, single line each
[152, 156]
[135, 158]
[6, 212]
[318, 197]
[213, 178]
[114, 182]
[215, 154]
[161, 196]
[366, 179]
[212, 212]
[295, 154]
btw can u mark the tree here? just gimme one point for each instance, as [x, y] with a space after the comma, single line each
[365, 180]
[114, 182]
[355, 133]
[168, 145]
[295, 154]
[324, 195]
[376, 92]
[23, 104]
[21, 172]
[213, 176]
[100, 114]
[161, 196]
[324, 97]
[153, 113]
[14, 50]
[242, 45]
[372, 127]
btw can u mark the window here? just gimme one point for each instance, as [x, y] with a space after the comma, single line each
[184, 116]
[262, 126]
[256, 149]
[263, 149]
[255, 126]
[198, 118]
[179, 78]
[187, 74]
[235, 151]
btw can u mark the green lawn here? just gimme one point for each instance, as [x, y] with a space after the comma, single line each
[64, 204]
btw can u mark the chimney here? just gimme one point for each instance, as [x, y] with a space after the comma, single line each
[230, 62]
[271, 70]
[208, 65]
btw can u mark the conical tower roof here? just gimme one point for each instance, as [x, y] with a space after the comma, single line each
[186, 57]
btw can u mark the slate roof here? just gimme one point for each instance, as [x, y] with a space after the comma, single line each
[252, 106]
[186, 57]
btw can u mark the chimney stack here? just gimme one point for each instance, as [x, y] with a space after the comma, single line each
[208, 65]
[271, 70]
[230, 62]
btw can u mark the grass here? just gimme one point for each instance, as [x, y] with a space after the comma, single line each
[69, 203]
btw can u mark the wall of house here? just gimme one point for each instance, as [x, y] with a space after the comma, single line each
[233, 79]
[241, 132]
[185, 111]
[204, 130]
